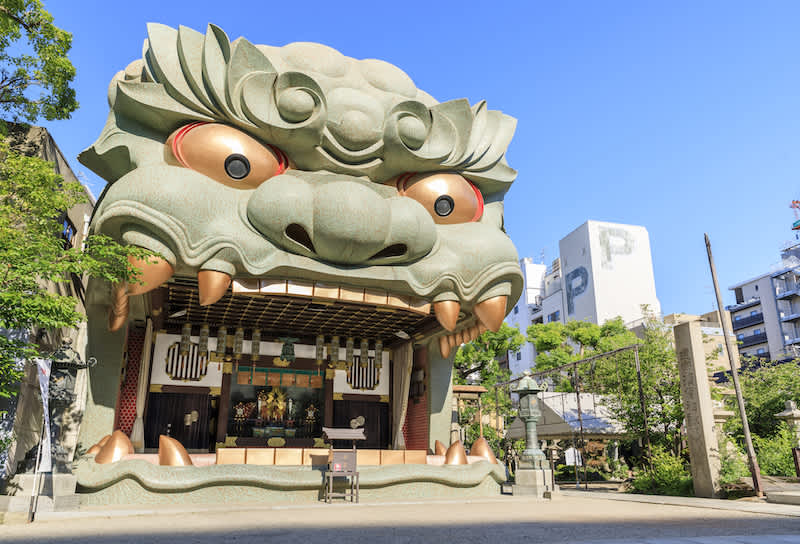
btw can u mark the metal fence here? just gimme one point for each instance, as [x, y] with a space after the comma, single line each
[587, 380]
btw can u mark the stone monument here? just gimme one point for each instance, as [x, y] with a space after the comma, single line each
[698, 409]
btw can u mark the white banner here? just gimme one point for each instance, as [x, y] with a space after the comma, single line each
[572, 457]
[43, 371]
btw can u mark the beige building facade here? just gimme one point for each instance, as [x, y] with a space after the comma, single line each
[716, 353]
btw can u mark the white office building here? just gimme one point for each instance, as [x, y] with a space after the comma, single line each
[604, 270]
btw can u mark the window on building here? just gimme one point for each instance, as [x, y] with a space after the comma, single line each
[756, 288]
[761, 351]
[754, 312]
[737, 317]
[516, 310]
[519, 356]
[756, 331]
[68, 232]
[719, 346]
[740, 336]
[555, 316]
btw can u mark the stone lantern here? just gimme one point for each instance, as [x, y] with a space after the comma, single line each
[791, 415]
[533, 476]
[530, 413]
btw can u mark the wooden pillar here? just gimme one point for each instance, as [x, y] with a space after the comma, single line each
[480, 414]
[224, 402]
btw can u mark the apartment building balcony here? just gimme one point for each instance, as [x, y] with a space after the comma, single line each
[748, 321]
[790, 317]
[753, 339]
[743, 305]
[788, 291]
[791, 341]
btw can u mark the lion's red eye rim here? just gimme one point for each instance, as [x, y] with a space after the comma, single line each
[226, 154]
[479, 196]
[283, 160]
[176, 141]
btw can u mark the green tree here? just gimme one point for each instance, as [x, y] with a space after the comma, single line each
[775, 452]
[660, 386]
[558, 344]
[765, 388]
[34, 256]
[615, 375]
[35, 73]
[477, 361]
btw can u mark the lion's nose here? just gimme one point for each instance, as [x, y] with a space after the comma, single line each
[340, 221]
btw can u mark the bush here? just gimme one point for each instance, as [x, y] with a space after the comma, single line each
[765, 389]
[566, 473]
[668, 476]
[732, 464]
[774, 453]
[619, 469]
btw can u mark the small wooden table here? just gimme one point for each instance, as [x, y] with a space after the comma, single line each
[342, 464]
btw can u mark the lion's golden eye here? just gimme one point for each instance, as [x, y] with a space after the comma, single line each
[226, 154]
[448, 197]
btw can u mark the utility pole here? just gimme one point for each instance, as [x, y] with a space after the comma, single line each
[755, 471]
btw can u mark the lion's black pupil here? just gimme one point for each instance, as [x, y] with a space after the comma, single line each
[237, 166]
[444, 205]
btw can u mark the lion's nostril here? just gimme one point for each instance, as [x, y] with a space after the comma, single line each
[298, 234]
[394, 250]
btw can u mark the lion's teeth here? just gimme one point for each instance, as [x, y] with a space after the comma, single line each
[447, 313]
[154, 271]
[492, 311]
[212, 285]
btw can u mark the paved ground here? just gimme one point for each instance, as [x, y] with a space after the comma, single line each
[575, 517]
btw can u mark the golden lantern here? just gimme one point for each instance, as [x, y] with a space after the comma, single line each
[222, 339]
[202, 344]
[255, 345]
[238, 342]
[186, 338]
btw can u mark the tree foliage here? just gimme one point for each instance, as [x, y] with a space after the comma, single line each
[558, 344]
[615, 376]
[478, 362]
[35, 260]
[765, 389]
[774, 452]
[478, 359]
[35, 73]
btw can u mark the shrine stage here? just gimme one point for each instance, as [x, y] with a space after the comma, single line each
[137, 481]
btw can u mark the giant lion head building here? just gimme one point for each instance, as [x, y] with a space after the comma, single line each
[327, 235]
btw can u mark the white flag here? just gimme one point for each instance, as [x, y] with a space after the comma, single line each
[43, 370]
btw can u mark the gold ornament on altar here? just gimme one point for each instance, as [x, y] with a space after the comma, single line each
[240, 412]
[263, 404]
[276, 404]
[311, 414]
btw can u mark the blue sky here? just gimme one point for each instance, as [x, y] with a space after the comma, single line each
[681, 116]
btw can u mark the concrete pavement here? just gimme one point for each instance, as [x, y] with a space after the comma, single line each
[572, 517]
